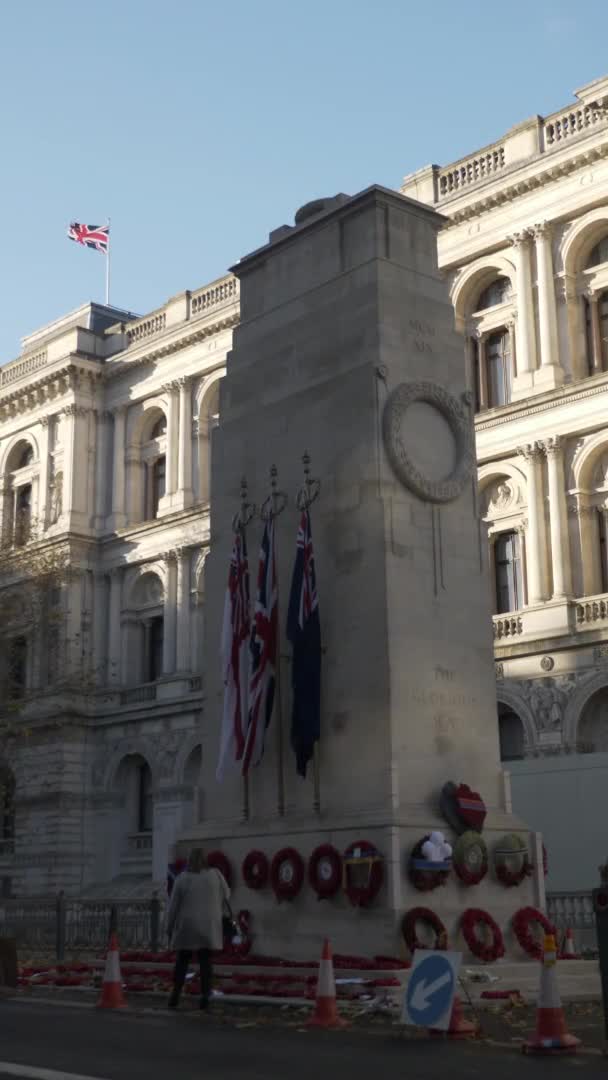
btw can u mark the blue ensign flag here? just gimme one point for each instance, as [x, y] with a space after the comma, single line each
[304, 633]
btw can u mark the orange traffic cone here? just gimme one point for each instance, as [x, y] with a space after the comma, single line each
[568, 951]
[111, 991]
[326, 1012]
[460, 1027]
[551, 1036]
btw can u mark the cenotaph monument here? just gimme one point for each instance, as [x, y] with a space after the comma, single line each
[346, 350]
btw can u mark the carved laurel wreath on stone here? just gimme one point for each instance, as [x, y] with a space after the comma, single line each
[456, 415]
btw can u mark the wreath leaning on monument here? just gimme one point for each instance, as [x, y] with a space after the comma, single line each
[363, 872]
[287, 873]
[522, 922]
[255, 870]
[221, 862]
[472, 919]
[424, 873]
[430, 919]
[511, 860]
[325, 871]
[470, 858]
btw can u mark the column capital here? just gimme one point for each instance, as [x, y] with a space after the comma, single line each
[553, 446]
[119, 410]
[171, 387]
[115, 573]
[170, 557]
[542, 230]
[580, 510]
[75, 410]
[45, 420]
[184, 381]
[532, 452]
[521, 238]
[522, 527]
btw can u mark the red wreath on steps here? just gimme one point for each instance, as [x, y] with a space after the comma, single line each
[423, 915]
[522, 922]
[472, 919]
[325, 871]
[219, 861]
[287, 873]
[255, 870]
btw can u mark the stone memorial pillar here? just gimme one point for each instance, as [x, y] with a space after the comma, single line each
[346, 349]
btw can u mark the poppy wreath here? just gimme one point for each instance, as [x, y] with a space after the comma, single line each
[509, 849]
[358, 894]
[243, 948]
[470, 858]
[287, 873]
[473, 918]
[218, 861]
[425, 875]
[430, 919]
[255, 870]
[325, 871]
[522, 922]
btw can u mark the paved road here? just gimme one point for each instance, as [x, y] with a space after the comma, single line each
[144, 1046]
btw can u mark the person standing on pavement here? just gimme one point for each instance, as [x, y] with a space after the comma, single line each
[194, 922]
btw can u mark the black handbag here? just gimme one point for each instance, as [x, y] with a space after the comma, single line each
[229, 927]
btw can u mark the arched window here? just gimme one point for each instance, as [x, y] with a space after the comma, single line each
[18, 494]
[158, 484]
[26, 457]
[495, 293]
[160, 428]
[146, 631]
[153, 648]
[154, 464]
[599, 253]
[596, 331]
[511, 734]
[144, 798]
[494, 370]
[592, 730]
[507, 572]
[23, 515]
[17, 668]
[133, 781]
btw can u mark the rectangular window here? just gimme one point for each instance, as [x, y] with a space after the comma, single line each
[159, 470]
[603, 549]
[507, 564]
[145, 809]
[23, 514]
[153, 649]
[17, 668]
[498, 366]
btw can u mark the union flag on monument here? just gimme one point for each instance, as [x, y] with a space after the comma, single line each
[263, 652]
[304, 632]
[235, 657]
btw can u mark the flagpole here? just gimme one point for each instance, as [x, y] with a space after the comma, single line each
[304, 500]
[108, 267]
[270, 510]
[239, 524]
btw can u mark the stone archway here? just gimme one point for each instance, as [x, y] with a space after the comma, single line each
[592, 732]
[511, 734]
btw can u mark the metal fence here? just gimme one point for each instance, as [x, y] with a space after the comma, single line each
[57, 925]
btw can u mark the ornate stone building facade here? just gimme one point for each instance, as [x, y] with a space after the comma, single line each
[105, 442]
[525, 249]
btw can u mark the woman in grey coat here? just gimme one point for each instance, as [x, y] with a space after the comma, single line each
[194, 922]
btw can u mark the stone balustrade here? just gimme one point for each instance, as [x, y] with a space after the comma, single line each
[591, 609]
[141, 841]
[573, 122]
[138, 694]
[465, 173]
[147, 328]
[204, 300]
[507, 626]
[22, 367]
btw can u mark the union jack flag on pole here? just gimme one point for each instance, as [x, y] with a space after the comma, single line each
[96, 237]
[235, 658]
[264, 635]
[304, 633]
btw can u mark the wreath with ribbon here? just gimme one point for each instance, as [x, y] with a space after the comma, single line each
[429, 918]
[470, 858]
[218, 861]
[325, 871]
[511, 860]
[472, 920]
[425, 875]
[287, 873]
[255, 870]
[362, 856]
[522, 922]
[242, 947]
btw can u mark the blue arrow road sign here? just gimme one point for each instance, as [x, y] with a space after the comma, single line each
[431, 988]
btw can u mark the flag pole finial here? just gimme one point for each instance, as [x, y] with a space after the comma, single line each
[276, 501]
[311, 488]
[246, 511]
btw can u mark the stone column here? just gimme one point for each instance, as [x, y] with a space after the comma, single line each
[588, 545]
[184, 462]
[43, 479]
[168, 499]
[114, 626]
[68, 460]
[558, 517]
[482, 371]
[102, 465]
[536, 550]
[551, 373]
[183, 610]
[469, 364]
[597, 362]
[512, 349]
[521, 534]
[118, 519]
[170, 613]
[100, 628]
[526, 340]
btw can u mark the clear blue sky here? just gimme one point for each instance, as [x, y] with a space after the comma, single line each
[199, 125]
